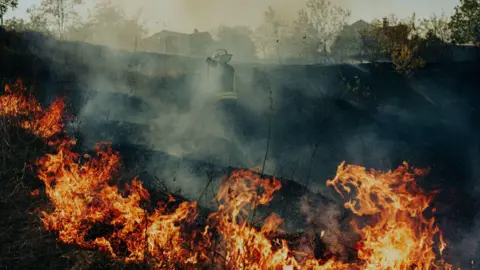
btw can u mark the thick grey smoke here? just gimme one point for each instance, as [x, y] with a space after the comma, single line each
[325, 219]
[185, 15]
[178, 118]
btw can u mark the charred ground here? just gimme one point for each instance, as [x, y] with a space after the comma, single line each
[430, 120]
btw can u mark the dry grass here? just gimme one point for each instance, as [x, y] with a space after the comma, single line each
[25, 243]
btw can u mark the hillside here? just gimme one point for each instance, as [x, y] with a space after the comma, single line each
[153, 105]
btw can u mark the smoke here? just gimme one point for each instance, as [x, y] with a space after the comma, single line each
[176, 115]
[326, 221]
[138, 94]
[186, 15]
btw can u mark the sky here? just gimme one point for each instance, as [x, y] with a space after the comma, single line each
[205, 15]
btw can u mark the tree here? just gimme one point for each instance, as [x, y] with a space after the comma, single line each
[303, 33]
[269, 34]
[36, 22]
[465, 22]
[399, 41]
[371, 38]
[327, 21]
[314, 29]
[60, 16]
[5, 5]
[264, 33]
[438, 26]
[238, 41]
[109, 25]
[15, 24]
[436, 36]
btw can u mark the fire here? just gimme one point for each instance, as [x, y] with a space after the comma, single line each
[18, 102]
[91, 210]
[244, 247]
[400, 235]
[83, 198]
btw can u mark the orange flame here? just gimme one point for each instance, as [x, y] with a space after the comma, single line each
[400, 236]
[243, 246]
[83, 198]
[92, 212]
[19, 102]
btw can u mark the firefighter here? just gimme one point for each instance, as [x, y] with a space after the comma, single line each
[221, 74]
[221, 77]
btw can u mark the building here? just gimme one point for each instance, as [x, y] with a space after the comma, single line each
[170, 42]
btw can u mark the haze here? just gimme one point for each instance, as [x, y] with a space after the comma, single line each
[186, 15]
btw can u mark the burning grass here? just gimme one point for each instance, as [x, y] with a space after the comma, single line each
[80, 200]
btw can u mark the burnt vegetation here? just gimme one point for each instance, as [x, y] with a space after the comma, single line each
[408, 86]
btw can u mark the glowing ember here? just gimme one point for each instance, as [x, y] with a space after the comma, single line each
[91, 212]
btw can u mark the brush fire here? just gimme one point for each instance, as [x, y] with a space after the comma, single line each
[91, 210]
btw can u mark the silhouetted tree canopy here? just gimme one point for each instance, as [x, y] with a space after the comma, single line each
[5, 5]
[465, 22]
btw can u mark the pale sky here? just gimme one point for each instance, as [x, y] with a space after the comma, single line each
[185, 15]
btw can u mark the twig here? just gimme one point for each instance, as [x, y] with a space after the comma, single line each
[312, 158]
[269, 127]
[209, 174]
[295, 168]
[165, 189]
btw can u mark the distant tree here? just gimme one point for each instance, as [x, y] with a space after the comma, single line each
[60, 16]
[238, 41]
[15, 24]
[398, 41]
[109, 25]
[314, 30]
[35, 22]
[269, 33]
[5, 5]
[436, 36]
[438, 26]
[304, 33]
[133, 31]
[465, 22]
[327, 20]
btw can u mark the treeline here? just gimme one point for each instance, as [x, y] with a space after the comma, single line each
[319, 33]
[106, 23]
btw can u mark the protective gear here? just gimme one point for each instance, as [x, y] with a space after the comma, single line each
[221, 75]
[221, 56]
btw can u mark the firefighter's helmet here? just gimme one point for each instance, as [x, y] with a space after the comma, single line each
[222, 56]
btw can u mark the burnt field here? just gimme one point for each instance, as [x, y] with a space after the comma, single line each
[296, 123]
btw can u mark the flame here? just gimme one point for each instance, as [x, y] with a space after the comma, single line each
[83, 197]
[400, 235]
[92, 211]
[19, 102]
[244, 247]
